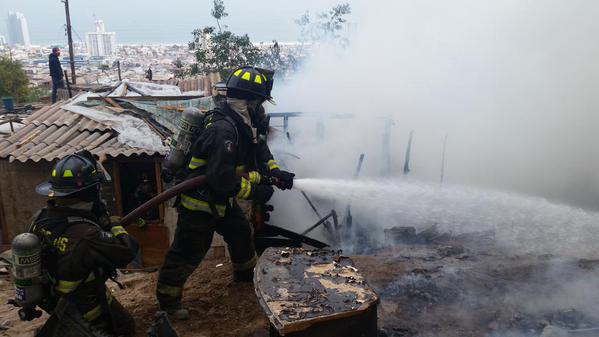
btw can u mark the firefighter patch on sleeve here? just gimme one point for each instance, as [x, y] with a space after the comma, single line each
[106, 236]
[229, 146]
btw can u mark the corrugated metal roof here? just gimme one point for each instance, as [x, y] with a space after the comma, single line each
[52, 133]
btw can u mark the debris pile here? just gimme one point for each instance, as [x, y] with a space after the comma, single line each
[310, 289]
[465, 285]
[447, 285]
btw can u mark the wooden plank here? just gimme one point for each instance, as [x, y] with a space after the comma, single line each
[118, 194]
[3, 225]
[300, 288]
[149, 98]
[154, 242]
[111, 102]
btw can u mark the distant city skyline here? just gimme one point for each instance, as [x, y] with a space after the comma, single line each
[17, 29]
[157, 21]
[101, 42]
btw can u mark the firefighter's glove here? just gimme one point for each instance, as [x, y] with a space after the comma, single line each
[285, 179]
[262, 193]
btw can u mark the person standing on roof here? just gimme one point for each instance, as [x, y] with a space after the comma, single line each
[55, 72]
[229, 152]
[80, 251]
[149, 73]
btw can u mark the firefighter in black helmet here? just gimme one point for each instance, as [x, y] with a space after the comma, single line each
[80, 251]
[232, 153]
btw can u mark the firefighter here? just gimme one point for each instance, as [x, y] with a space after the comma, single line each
[80, 251]
[229, 152]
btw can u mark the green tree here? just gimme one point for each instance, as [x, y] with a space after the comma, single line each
[13, 80]
[180, 70]
[221, 51]
[325, 26]
[272, 58]
[218, 12]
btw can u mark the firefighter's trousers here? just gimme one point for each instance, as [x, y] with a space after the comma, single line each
[66, 321]
[193, 238]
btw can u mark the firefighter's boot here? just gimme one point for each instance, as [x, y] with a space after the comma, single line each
[180, 314]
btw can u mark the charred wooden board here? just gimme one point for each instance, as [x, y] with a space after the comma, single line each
[299, 288]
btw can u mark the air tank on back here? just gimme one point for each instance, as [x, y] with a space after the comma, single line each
[190, 123]
[27, 272]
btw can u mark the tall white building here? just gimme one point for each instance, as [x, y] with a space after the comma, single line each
[2, 40]
[100, 42]
[18, 31]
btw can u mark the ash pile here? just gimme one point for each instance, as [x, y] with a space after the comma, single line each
[440, 284]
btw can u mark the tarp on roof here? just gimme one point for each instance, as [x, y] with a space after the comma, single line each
[132, 130]
[52, 133]
[168, 113]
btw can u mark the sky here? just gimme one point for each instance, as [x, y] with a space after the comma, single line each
[159, 21]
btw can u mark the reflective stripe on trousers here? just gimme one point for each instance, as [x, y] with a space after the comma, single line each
[97, 310]
[249, 264]
[167, 290]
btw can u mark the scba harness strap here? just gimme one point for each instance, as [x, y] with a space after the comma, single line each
[194, 163]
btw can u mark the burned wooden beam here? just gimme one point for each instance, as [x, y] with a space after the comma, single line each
[314, 293]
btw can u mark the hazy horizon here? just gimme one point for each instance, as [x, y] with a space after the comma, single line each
[159, 22]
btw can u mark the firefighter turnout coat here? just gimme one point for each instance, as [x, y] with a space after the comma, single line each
[79, 257]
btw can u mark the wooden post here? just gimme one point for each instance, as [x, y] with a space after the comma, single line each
[386, 148]
[348, 221]
[406, 164]
[118, 64]
[159, 188]
[3, 227]
[118, 195]
[70, 37]
[66, 77]
[442, 179]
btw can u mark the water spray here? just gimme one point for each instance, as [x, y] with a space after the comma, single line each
[524, 224]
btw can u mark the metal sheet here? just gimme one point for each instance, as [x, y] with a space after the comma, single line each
[52, 133]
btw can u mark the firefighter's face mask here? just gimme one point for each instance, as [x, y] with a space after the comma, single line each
[254, 106]
[260, 120]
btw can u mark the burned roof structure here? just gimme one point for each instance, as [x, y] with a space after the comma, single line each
[125, 138]
[53, 132]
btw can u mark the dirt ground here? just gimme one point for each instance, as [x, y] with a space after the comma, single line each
[455, 287]
[219, 307]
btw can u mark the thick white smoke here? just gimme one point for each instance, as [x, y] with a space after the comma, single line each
[513, 85]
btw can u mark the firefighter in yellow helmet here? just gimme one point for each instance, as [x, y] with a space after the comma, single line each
[231, 152]
[80, 251]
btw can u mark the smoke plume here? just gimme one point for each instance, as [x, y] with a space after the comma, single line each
[511, 84]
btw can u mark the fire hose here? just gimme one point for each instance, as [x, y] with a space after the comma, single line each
[186, 185]
[200, 181]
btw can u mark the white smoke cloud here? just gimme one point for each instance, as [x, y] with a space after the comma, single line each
[512, 83]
